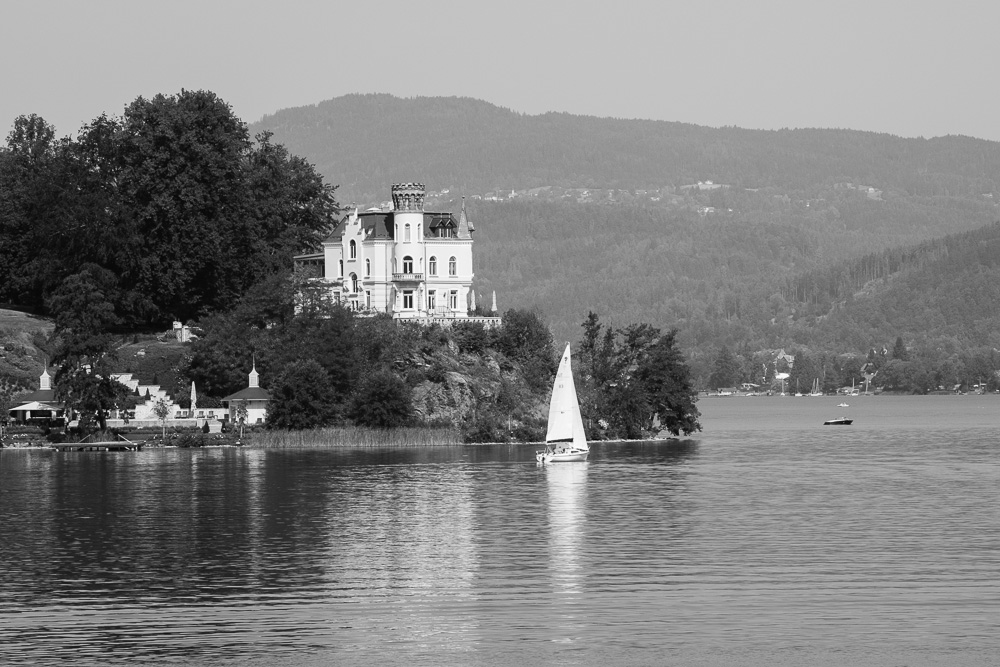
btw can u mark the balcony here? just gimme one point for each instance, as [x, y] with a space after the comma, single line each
[407, 277]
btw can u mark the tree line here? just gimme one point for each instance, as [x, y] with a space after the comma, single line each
[170, 212]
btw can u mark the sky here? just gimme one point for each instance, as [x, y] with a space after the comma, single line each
[916, 68]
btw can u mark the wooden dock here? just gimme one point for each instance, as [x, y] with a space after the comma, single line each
[111, 446]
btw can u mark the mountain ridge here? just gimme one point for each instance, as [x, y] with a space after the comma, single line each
[707, 229]
[474, 146]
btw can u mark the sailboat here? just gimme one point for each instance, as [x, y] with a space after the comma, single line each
[565, 439]
[815, 389]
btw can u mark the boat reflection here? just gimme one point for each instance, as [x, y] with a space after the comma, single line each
[567, 486]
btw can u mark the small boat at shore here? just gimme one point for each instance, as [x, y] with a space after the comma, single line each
[843, 405]
[839, 421]
[565, 440]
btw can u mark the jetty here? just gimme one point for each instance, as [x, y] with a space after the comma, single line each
[121, 445]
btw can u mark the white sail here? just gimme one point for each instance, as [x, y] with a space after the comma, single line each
[565, 421]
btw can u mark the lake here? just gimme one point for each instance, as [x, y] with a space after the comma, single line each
[767, 539]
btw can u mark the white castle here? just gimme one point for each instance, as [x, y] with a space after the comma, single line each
[412, 263]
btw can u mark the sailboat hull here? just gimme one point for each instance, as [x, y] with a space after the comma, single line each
[566, 456]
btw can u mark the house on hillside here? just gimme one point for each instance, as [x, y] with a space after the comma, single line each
[402, 260]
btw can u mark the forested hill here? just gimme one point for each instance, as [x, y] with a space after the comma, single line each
[940, 295]
[804, 239]
[365, 142]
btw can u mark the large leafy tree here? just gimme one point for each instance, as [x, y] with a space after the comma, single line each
[174, 198]
[382, 401]
[632, 378]
[85, 355]
[524, 337]
[301, 397]
[34, 190]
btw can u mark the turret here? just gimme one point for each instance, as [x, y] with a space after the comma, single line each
[408, 197]
[408, 205]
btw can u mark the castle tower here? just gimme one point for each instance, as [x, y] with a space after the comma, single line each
[408, 216]
[408, 246]
[408, 197]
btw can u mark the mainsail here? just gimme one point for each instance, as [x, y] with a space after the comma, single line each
[565, 421]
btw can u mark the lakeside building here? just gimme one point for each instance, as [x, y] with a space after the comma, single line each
[40, 404]
[405, 261]
[254, 398]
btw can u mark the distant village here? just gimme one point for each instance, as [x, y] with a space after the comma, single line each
[683, 196]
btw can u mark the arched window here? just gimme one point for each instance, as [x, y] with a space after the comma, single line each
[368, 267]
[432, 266]
[406, 233]
[354, 283]
[340, 271]
[407, 264]
[354, 250]
[452, 267]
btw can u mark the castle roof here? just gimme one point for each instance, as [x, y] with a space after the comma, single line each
[381, 224]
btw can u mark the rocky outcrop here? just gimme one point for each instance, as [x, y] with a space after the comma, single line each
[471, 392]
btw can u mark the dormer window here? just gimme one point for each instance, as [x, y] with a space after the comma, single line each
[445, 231]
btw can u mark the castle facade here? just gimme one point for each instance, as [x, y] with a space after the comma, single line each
[411, 263]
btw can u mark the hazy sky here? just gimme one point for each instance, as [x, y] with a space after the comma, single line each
[913, 68]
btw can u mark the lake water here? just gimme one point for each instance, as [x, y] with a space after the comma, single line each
[768, 539]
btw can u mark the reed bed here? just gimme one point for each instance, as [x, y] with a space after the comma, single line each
[353, 437]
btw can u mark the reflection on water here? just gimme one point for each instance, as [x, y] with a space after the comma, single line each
[567, 495]
[797, 545]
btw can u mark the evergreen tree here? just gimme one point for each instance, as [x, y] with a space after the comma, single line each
[899, 350]
[667, 383]
[726, 371]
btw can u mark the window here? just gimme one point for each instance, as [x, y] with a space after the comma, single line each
[406, 233]
[354, 282]
[432, 300]
[453, 300]
[407, 264]
[354, 250]
[452, 267]
[340, 272]
[408, 299]
[368, 267]
[432, 266]
[368, 299]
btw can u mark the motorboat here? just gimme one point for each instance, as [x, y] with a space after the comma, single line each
[839, 421]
